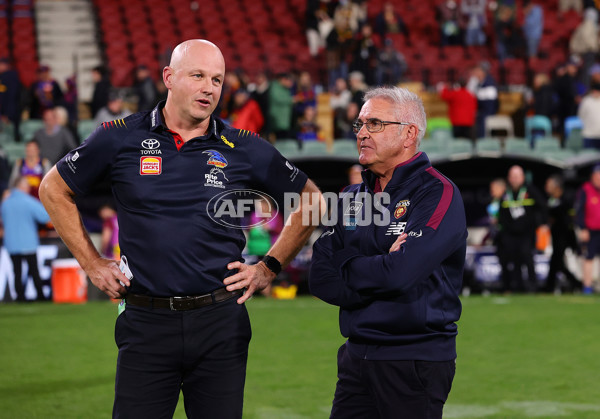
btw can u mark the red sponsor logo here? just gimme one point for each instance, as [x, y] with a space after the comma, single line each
[150, 165]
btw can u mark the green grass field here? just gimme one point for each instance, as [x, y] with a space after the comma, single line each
[519, 357]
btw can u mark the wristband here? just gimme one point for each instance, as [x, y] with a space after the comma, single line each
[272, 263]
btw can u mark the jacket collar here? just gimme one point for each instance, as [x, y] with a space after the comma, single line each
[402, 173]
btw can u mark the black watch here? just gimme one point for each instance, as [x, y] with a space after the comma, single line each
[273, 264]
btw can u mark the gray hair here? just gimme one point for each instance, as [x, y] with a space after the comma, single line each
[409, 106]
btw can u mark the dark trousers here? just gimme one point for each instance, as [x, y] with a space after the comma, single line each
[369, 389]
[202, 352]
[557, 264]
[517, 251]
[32, 264]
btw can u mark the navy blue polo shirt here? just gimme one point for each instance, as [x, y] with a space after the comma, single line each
[162, 187]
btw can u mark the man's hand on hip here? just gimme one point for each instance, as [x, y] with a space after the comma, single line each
[107, 277]
[252, 277]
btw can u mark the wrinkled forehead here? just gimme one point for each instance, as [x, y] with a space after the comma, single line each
[377, 108]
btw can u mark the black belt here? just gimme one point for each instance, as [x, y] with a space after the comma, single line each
[182, 303]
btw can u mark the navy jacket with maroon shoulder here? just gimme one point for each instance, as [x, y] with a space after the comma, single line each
[401, 305]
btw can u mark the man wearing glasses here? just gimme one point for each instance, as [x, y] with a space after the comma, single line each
[393, 263]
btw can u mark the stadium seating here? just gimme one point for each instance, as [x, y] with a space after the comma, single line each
[514, 145]
[28, 127]
[543, 144]
[495, 123]
[14, 151]
[488, 146]
[537, 125]
[287, 147]
[313, 148]
[345, 148]
[85, 127]
[438, 123]
[459, 146]
[572, 123]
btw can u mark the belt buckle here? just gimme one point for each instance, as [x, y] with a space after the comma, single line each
[178, 303]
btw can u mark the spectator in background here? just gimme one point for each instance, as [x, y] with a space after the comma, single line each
[44, 93]
[585, 43]
[588, 220]
[449, 18]
[260, 93]
[54, 139]
[10, 97]
[246, 112]
[533, 26]
[304, 96]
[560, 220]
[343, 124]
[497, 191]
[542, 99]
[340, 40]
[391, 65]
[231, 84]
[390, 22]
[505, 30]
[102, 89]
[32, 168]
[109, 244]
[355, 174]
[522, 211]
[339, 100]
[565, 5]
[484, 87]
[567, 90]
[356, 81]
[281, 103]
[313, 36]
[144, 89]
[308, 129]
[21, 215]
[340, 96]
[595, 74]
[462, 109]
[474, 12]
[71, 102]
[364, 54]
[114, 109]
[589, 113]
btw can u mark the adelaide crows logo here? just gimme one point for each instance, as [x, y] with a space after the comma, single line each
[216, 159]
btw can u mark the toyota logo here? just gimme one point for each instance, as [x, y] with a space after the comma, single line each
[150, 144]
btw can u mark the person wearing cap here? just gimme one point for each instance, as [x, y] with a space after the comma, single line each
[589, 112]
[10, 97]
[113, 110]
[587, 210]
[184, 326]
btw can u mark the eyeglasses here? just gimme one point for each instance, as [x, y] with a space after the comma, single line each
[374, 125]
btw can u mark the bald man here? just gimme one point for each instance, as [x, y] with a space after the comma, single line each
[522, 211]
[183, 324]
